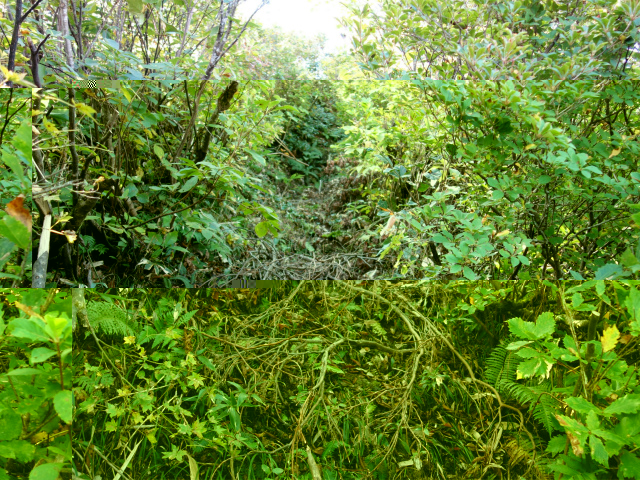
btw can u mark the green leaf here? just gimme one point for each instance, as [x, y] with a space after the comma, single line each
[576, 275]
[517, 345]
[206, 362]
[468, 273]
[158, 151]
[582, 405]
[610, 271]
[629, 466]
[188, 185]
[632, 302]
[256, 156]
[628, 259]
[46, 471]
[628, 427]
[577, 300]
[557, 444]
[598, 452]
[544, 179]
[15, 231]
[545, 325]
[22, 140]
[262, 229]
[497, 194]
[40, 354]
[10, 424]
[63, 405]
[21, 372]
[135, 6]
[12, 161]
[628, 404]
[529, 368]
[30, 328]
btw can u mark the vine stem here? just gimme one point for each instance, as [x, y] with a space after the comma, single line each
[436, 332]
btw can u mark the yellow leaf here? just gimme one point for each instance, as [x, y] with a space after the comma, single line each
[609, 338]
[85, 109]
[615, 152]
[71, 235]
[39, 437]
[126, 94]
[50, 126]
[530, 146]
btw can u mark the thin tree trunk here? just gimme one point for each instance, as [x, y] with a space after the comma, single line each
[63, 28]
[190, 8]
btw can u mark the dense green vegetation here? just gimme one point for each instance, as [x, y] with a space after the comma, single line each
[360, 380]
[319, 179]
[36, 400]
[15, 187]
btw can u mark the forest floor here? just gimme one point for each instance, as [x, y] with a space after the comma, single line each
[319, 239]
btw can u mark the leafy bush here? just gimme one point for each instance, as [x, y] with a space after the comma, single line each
[601, 420]
[35, 384]
[15, 188]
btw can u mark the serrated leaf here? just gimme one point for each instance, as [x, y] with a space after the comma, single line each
[598, 453]
[581, 405]
[609, 338]
[628, 404]
[629, 466]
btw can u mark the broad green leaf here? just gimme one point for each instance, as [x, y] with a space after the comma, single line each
[256, 156]
[188, 185]
[629, 466]
[46, 471]
[30, 328]
[576, 300]
[40, 354]
[630, 403]
[22, 140]
[21, 372]
[158, 151]
[262, 229]
[55, 325]
[10, 424]
[15, 231]
[582, 405]
[468, 274]
[598, 453]
[632, 302]
[63, 405]
[11, 160]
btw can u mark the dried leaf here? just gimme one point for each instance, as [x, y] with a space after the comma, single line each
[16, 209]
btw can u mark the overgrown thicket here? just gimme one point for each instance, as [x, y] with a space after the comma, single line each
[362, 380]
[498, 179]
[419, 179]
[15, 188]
[36, 399]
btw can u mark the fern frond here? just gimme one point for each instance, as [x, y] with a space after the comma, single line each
[330, 447]
[501, 371]
[109, 319]
[519, 450]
